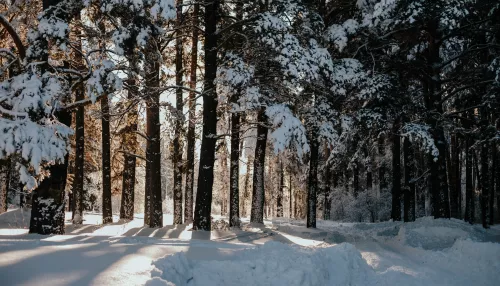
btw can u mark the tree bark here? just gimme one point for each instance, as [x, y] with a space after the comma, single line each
[291, 194]
[130, 145]
[246, 191]
[409, 192]
[177, 154]
[77, 188]
[469, 191]
[234, 173]
[5, 171]
[258, 194]
[492, 182]
[454, 177]
[153, 214]
[484, 179]
[396, 173]
[312, 186]
[279, 197]
[327, 189]
[191, 139]
[48, 204]
[497, 182]
[202, 220]
[355, 179]
[107, 215]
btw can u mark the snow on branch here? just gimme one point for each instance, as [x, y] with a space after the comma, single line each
[420, 135]
[288, 130]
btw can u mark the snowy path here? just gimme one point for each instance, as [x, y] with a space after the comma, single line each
[283, 252]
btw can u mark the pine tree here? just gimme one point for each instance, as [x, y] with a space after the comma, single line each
[202, 212]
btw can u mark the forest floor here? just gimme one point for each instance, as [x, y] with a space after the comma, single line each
[280, 252]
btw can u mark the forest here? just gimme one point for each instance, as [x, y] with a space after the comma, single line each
[360, 111]
[233, 142]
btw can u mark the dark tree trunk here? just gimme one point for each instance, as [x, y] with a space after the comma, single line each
[191, 139]
[234, 172]
[327, 189]
[153, 214]
[312, 186]
[5, 172]
[382, 180]
[177, 153]
[409, 193]
[77, 188]
[439, 181]
[291, 195]
[246, 191]
[369, 177]
[48, 204]
[491, 198]
[203, 207]
[497, 183]
[279, 197]
[484, 179]
[130, 146]
[469, 188]
[107, 215]
[454, 177]
[396, 173]
[355, 179]
[258, 194]
[458, 175]
[496, 154]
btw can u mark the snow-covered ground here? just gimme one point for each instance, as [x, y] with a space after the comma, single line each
[282, 252]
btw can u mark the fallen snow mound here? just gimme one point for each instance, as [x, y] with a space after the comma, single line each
[426, 232]
[273, 263]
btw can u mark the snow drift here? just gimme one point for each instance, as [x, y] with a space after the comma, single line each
[273, 263]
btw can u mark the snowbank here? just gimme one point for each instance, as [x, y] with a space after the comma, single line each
[465, 263]
[273, 263]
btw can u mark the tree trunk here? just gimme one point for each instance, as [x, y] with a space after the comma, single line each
[130, 146]
[246, 191]
[396, 173]
[469, 189]
[77, 187]
[153, 213]
[177, 154]
[312, 186]
[258, 194]
[191, 139]
[497, 185]
[5, 170]
[382, 180]
[203, 207]
[454, 179]
[107, 215]
[47, 207]
[484, 179]
[355, 179]
[409, 193]
[496, 154]
[491, 198]
[279, 197]
[327, 189]
[291, 195]
[234, 190]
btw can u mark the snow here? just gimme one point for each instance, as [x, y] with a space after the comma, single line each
[278, 252]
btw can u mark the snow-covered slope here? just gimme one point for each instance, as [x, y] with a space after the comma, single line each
[281, 252]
